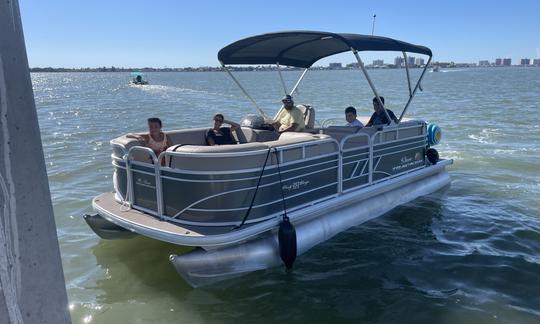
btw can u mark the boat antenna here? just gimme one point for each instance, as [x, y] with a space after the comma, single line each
[373, 24]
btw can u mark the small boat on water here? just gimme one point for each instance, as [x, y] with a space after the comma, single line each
[138, 78]
[436, 68]
[271, 197]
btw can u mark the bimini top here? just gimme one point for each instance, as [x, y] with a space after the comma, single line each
[303, 48]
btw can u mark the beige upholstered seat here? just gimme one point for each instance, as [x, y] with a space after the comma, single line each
[309, 115]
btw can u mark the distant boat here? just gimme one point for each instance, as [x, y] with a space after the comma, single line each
[435, 68]
[138, 78]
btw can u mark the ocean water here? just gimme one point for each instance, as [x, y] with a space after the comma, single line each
[469, 253]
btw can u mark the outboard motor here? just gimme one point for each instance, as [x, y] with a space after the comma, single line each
[255, 122]
[287, 242]
[252, 121]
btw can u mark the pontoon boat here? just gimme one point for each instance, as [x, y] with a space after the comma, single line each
[138, 78]
[271, 197]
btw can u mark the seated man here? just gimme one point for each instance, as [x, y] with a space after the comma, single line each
[350, 116]
[218, 135]
[379, 117]
[290, 119]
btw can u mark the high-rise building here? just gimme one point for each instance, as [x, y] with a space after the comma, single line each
[398, 61]
[483, 63]
[419, 61]
[507, 62]
[536, 62]
[525, 61]
[498, 62]
[378, 62]
[334, 66]
[410, 61]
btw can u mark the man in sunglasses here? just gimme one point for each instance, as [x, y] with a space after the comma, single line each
[219, 135]
[290, 119]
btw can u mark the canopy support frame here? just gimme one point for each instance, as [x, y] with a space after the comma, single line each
[242, 88]
[298, 82]
[281, 78]
[371, 85]
[415, 89]
[408, 74]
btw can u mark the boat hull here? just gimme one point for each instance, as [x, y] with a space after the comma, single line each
[201, 267]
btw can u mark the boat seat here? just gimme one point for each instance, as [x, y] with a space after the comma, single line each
[207, 162]
[309, 115]
[192, 136]
[250, 135]
[295, 153]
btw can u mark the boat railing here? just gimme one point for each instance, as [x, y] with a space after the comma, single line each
[154, 162]
[358, 157]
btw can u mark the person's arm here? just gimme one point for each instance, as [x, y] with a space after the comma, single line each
[210, 141]
[169, 141]
[210, 137]
[141, 138]
[392, 116]
[234, 126]
[291, 128]
[370, 122]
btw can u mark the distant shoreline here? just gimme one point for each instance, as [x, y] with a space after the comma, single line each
[248, 68]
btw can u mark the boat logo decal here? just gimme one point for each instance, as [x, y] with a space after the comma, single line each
[144, 183]
[407, 162]
[295, 185]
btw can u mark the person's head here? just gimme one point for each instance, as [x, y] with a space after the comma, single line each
[139, 77]
[350, 114]
[376, 106]
[218, 120]
[154, 125]
[288, 102]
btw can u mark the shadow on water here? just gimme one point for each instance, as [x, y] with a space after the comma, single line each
[135, 265]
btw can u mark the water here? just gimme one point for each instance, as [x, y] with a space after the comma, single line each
[470, 253]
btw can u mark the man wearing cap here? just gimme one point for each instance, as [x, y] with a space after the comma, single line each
[290, 119]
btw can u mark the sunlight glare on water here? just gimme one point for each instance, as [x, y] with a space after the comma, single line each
[468, 254]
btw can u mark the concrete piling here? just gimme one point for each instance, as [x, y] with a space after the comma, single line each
[32, 287]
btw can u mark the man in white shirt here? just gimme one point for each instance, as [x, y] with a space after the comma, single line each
[350, 116]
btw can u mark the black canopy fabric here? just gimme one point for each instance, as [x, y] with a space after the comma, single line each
[303, 48]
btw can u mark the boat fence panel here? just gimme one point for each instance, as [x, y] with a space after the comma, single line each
[356, 160]
[398, 150]
[217, 188]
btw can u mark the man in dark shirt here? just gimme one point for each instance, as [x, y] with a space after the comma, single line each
[218, 135]
[379, 117]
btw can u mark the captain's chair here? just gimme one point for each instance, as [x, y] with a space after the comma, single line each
[309, 115]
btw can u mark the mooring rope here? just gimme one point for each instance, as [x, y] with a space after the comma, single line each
[255, 193]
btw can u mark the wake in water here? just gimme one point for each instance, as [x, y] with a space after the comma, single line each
[168, 90]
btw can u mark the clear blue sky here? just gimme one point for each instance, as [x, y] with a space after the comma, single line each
[190, 33]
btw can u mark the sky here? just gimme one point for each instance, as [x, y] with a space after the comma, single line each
[183, 33]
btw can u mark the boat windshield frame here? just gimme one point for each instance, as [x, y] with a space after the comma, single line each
[412, 90]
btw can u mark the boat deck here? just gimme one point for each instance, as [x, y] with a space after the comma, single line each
[107, 206]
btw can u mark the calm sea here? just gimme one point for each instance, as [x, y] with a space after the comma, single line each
[467, 254]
